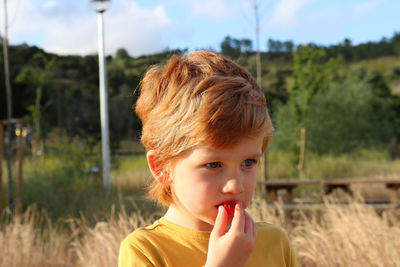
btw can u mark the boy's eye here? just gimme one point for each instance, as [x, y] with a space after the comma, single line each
[249, 162]
[213, 165]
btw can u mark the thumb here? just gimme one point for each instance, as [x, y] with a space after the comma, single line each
[220, 223]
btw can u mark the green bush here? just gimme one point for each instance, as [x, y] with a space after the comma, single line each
[63, 185]
[344, 117]
[347, 117]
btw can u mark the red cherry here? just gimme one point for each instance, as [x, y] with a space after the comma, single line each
[229, 207]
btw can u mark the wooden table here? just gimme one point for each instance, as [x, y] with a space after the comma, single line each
[272, 186]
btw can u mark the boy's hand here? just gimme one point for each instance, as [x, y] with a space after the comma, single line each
[231, 248]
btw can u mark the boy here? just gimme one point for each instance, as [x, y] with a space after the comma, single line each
[205, 127]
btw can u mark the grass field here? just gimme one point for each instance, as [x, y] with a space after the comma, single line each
[67, 221]
[354, 235]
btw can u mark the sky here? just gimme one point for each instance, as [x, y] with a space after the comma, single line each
[69, 27]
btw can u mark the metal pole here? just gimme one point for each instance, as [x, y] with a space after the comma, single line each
[6, 64]
[258, 57]
[105, 139]
[9, 104]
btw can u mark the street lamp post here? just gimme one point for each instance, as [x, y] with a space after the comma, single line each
[100, 6]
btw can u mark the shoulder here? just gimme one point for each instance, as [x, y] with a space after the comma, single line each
[270, 230]
[274, 242]
[272, 235]
[138, 247]
[141, 237]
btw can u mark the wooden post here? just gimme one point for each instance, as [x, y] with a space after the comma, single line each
[1, 164]
[272, 195]
[289, 191]
[393, 191]
[302, 149]
[20, 160]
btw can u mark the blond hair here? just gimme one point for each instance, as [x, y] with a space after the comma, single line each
[201, 98]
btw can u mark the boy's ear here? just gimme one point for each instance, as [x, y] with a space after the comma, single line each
[156, 167]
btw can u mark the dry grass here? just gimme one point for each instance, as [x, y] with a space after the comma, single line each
[99, 246]
[395, 86]
[29, 239]
[131, 179]
[339, 235]
[23, 242]
[351, 235]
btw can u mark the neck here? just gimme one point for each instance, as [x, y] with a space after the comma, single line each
[185, 219]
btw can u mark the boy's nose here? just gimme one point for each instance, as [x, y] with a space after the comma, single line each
[233, 186]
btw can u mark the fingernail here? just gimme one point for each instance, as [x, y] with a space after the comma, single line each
[220, 209]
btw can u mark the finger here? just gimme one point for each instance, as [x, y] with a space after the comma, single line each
[249, 226]
[254, 230]
[238, 221]
[220, 222]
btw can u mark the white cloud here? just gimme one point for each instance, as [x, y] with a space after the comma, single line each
[70, 27]
[286, 11]
[49, 4]
[140, 31]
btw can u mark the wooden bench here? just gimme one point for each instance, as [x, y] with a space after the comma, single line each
[272, 186]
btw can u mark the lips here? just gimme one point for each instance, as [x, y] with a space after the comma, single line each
[229, 206]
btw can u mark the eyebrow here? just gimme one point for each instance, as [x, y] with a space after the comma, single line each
[217, 155]
[256, 155]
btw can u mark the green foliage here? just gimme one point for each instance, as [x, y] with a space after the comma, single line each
[122, 53]
[64, 186]
[132, 163]
[310, 76]
[233, 48]
[278, 46]
[346, 117]
[360, 163]
[340, 119]
[59, 181]
[61, 92]
[341, 113]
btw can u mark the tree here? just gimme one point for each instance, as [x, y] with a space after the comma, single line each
[246, 45]
[348, 116]
[341, 112]
[288, 46]
[274, 46]
[234, 48]
[308, 78]
[38, 80]
[122, 54]
[230, 47]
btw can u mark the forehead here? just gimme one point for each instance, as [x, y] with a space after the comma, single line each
[246, 147]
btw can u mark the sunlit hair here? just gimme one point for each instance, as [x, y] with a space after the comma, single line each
[199, 99]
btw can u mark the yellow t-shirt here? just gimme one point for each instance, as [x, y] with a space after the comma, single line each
[166, 244]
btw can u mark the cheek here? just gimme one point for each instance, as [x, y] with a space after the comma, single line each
[193, 190]
[250, 186]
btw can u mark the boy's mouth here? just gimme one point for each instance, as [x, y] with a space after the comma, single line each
[229, 206]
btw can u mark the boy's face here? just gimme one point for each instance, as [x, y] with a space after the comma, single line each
[205, 178]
